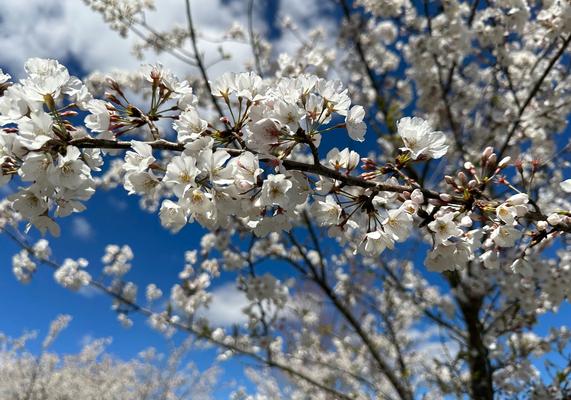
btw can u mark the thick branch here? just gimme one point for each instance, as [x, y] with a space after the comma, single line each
[288, 164]
[481, 382]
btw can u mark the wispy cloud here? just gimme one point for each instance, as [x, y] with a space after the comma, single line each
[117, 203]
[82, 228]
[89, 291]
[60, 29]
[226, 306]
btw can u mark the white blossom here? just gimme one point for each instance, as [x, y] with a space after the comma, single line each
[275, 191]
[505, 236]
[355, 125]
[444, 227]
[419, 138]
[173, 216]
[189, 126]
[71, 274]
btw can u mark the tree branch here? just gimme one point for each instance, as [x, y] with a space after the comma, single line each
[253, 38]
[400, 387]
[187, 328]
[199, 62]
[531, 95]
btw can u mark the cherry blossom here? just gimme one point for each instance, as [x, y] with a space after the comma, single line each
[331, 254]
[420, 140]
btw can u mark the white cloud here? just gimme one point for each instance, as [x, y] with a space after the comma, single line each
[86, 340]
[82, 228]
[433, 344]
[226, 306]
[64, 29]
[89, 291]
[117, 203]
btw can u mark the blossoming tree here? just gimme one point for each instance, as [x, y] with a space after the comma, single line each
[463, 107]
[94, 374]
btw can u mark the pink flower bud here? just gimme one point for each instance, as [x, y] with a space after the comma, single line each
[487, 152]
[417, 196]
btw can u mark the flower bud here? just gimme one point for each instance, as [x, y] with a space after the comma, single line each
[417, 196]
[445, 197]
[518, 199]
[504, 162]
[469, 166]
[554, 219]
[155, 74]
[368, 164]
[69, 113]
[487, 152]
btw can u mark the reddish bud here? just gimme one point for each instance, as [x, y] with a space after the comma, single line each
[155, 74]
[450, 180]
[368, 164]
[69, 113]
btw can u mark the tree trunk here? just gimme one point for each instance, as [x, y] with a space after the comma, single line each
[481, 386]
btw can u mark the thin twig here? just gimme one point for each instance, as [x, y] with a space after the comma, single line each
[199, 62]
[253, 39]
[531, 95]
[187, 328]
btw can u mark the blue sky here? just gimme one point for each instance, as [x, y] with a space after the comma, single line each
[113, 216]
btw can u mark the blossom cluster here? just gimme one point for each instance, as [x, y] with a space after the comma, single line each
[257, 169]
[476, 177]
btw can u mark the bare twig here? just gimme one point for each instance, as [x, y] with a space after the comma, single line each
[188, 328]
[198, 58]
[253, 39]
[531, 95]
